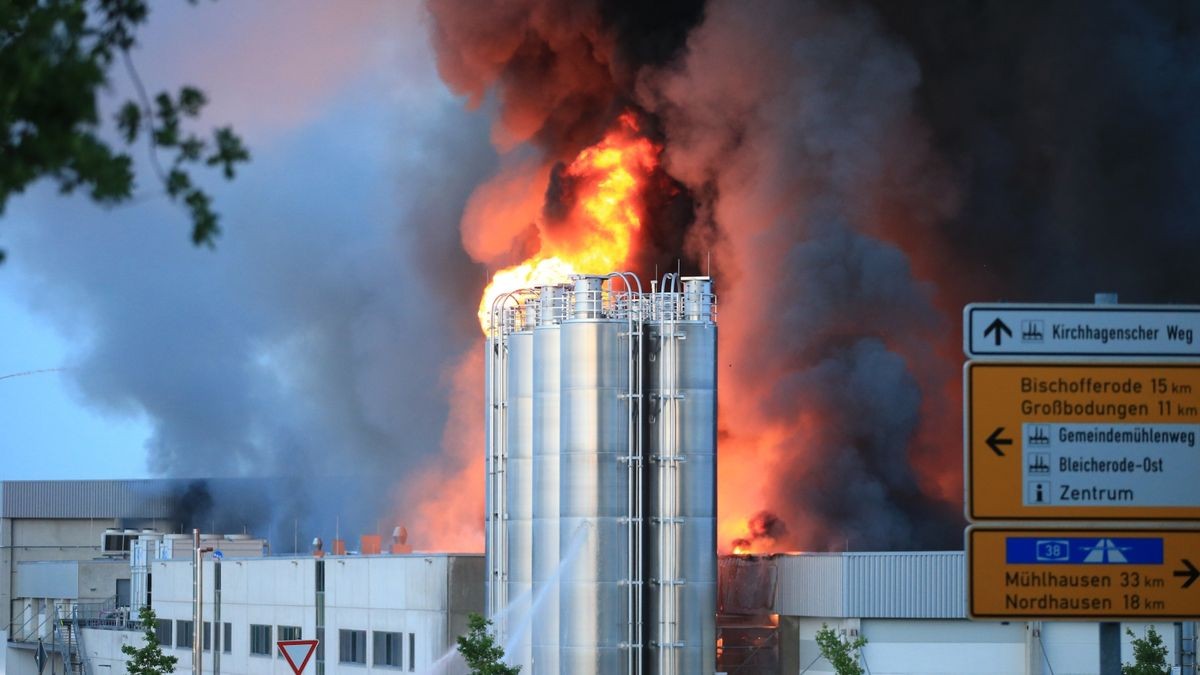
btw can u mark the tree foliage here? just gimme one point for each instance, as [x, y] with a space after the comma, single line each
[149, 658]
[55, 58]
[479, 649]
[841, 653]
[1149, 654]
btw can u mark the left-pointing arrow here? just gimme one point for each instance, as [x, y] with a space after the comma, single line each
[994, 441]
[1191, 573]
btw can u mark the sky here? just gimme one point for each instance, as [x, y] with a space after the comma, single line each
[332, 104]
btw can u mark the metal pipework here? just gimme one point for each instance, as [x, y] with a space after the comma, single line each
[517, 510]
[588, 296]
[496, 412]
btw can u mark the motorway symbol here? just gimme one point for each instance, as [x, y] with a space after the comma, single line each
[998, 327]
[1100, 575]
[297, 653]
[1191, 573]
[1139, 331]
[994, 441]
[1082, 441]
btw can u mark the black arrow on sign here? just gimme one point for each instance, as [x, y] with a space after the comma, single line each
[994, 441]
[997, 327]
[1191, 573]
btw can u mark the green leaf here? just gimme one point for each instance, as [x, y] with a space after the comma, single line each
[204, 221]
[177, 182]
[166, 134]
[191, 101]
[148, 659]
[841, 653]
[229, 152]
[480, 651]
[191, 149]
[129, 121]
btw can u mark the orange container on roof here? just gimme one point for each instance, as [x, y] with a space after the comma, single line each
[370, 544]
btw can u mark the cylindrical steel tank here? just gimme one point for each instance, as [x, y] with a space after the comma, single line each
[680, 543]
[518, 487]
[593, 492]
[491, 348]
[495, 439]
[601, 491]
[552, 304]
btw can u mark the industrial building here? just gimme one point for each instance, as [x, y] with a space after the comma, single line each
[383, 611]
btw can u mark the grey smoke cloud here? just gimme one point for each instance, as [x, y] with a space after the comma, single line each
[310, 346]
[797, 119]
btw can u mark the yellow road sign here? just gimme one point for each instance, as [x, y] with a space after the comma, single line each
[1082, 441]
[1083, 574]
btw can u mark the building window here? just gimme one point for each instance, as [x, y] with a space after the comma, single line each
[412, 652]
[260, 640]
[207, 638]
[288, 633]
[183, 634]
[352, 646]
[227, 639]
[388, 649]
[162, 631]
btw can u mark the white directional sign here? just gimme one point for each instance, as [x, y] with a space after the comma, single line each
[1161, 331]
[1110, 464]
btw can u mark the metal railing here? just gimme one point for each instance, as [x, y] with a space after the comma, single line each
[61, 624]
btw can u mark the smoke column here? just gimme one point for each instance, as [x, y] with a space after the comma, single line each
[857, 174]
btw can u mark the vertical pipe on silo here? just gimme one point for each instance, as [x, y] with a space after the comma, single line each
[518, 483]
[552, 305]
[495, 438]
[594, 489]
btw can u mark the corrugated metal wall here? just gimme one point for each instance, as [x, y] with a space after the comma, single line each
[872, 585]
[88, 498]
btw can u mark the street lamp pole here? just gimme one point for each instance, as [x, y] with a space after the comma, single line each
[198, 602]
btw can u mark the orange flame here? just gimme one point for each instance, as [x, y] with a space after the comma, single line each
[598, 234]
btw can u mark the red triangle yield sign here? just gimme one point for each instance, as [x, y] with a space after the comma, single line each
[297, 653]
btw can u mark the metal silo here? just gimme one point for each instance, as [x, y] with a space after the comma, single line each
[495, 438]
[681, 436]
[552, 305]
[518, 485]
[601, 449]
[598, 630]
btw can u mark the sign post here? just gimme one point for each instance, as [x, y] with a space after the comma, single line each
[297, 653]
[1081, 435]
[40, 657]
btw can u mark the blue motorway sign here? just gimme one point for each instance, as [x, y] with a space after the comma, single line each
[1084, 550]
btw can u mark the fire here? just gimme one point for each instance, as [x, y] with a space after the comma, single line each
[598, 233]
